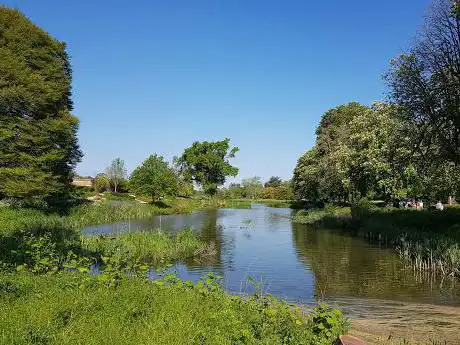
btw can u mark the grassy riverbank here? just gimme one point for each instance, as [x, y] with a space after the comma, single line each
[41, 302]
[88, 213]
[68, 308]
[426, 239]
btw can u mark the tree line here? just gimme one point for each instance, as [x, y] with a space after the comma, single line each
[408, 145]
[157, 178]
[204, 164]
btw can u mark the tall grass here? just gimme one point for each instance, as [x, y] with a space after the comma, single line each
[329, 217]
[74, 309]
[44, 242]
[147, 247]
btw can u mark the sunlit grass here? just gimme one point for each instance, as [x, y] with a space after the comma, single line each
[68, 308]
[146, 246]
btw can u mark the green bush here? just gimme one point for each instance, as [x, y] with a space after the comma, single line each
[361, 209]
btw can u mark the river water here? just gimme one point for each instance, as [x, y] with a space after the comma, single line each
[260, 248]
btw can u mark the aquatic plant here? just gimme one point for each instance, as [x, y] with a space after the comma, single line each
[148, 247]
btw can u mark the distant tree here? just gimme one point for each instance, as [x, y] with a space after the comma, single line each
[207, 164]
[155, 178]
[116, 173]
[273, 181]
[425, 82]
[101, 183]
[252, 186]
[234, 191]
[38, 134]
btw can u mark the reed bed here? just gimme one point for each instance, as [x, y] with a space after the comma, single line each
[150, 247]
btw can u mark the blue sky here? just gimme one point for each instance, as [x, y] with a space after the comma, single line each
[154, 76]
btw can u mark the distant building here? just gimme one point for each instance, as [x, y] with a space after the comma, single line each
[83, 181]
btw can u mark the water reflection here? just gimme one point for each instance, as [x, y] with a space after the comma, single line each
[347, 266]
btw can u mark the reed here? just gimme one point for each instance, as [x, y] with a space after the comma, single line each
[149, 247]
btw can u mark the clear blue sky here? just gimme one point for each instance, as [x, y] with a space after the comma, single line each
[154, 76]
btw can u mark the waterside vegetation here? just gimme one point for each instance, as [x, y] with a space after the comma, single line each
[425, 239]
[72, 308]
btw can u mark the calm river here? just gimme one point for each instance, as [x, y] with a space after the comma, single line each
[262, 247]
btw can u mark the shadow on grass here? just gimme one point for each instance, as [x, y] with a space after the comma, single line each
[161, 204]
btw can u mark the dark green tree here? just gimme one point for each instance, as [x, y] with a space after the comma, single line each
[154, 178]
[38, 134]
[273, 181]
[207, 164]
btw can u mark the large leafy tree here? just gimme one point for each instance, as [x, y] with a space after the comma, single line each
[154, 178]
[360, 151]
[425, 82]
[207, 163]
[38, 134]
[116, 173]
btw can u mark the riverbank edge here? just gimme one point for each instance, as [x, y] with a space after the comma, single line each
[428, 240]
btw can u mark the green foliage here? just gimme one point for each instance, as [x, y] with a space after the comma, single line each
[252, 187]
[207, 163]
[328, 217]
[154, 178]
[368, 152]
[116, 173]
[151, 247]
[101, 183]
[361, 209]
[67, 308]
[327, 323]
[273, 181]
[38, 143]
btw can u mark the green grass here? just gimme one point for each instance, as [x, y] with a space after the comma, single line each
[150, 247]
[70, 308]
[329, 217]
[246, 203]
[118, 196]
[23, 219]
[44, 242]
